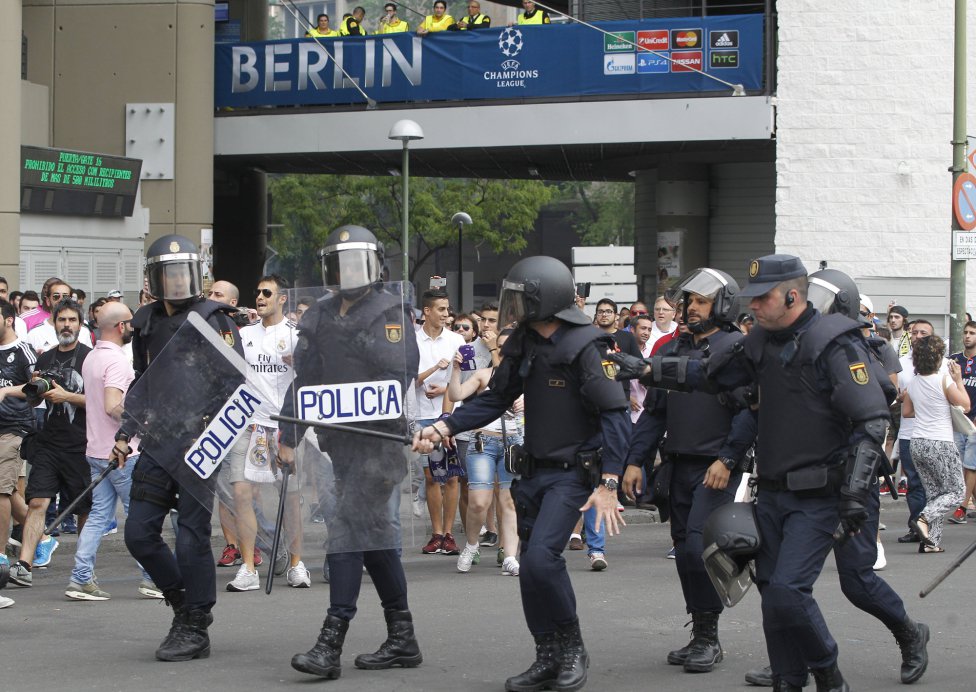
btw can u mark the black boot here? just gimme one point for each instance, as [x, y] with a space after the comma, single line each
[573, 659]
[543, 671]
[830, 679]
[784, 686]
[678, 656]
[323, 658]
[763, 677]
[400, 647]
[913, 639]
[187, 638]
[705, 649]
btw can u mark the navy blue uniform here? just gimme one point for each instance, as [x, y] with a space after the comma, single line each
[817, 384]
[572, 405]
[154, 489]
[373, 341]
[700, 428]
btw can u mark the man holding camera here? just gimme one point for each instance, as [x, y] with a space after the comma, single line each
[57, 453]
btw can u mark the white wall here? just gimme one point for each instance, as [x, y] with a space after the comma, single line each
[864, 85]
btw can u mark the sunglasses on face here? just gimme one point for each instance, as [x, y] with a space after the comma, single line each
[462, 327]
[59, 296]
[266, 292]
[638, 313]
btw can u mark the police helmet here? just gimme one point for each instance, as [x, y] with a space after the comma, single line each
[352, 258]
[713, 284]
[173, 269]
[830, 291]
[731, 540]
[539, 288]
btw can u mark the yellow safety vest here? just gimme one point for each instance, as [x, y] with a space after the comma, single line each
[350, 23]
[538, 17]
[397, 28]
[313, 33]
[479, 20]
[431, 23]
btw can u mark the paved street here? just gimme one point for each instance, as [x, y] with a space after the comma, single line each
[470, 626]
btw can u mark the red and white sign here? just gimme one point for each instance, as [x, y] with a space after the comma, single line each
[686, 38]
[686, 60]
[654, 40]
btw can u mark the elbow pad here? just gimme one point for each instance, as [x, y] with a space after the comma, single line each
[669, 372]
[865, 458]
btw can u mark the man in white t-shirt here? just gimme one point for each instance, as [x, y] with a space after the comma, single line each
[269, 346]
[44, 336]
[437, 348]
[919, 329]
[664, 323]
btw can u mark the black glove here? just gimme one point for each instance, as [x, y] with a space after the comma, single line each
[852, 516]
[630, 367]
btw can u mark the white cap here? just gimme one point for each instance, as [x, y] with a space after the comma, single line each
[868, 303]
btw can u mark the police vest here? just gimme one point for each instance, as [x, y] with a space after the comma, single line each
[395, 28]
[697, 423]
[350, 27]
[315, 33]
[477, 21]
[537, 17]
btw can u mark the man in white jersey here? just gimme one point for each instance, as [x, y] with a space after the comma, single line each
[269, 346]
[44, 336]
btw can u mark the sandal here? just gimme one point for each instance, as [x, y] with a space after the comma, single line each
[927, 546]
[921, 528]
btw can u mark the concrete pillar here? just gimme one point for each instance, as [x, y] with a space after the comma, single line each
[240, 229]
[10, 122]
[645, 233]
[682, 208]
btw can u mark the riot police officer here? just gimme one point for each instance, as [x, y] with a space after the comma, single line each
[360, 333]
[822, 419]
[576, 419]
[188, 579]
[706, 444]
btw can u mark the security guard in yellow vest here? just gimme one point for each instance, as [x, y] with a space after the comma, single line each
[390, 23]
[532, 15]
[352, 25]
[474, 19]
[322, 29]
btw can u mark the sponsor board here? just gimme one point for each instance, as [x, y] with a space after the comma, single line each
[686, 39]
[659, 40]
[724, 39]
[686, 60]
[721, 59]
[648, 63]
[619, 64]
[619, 42]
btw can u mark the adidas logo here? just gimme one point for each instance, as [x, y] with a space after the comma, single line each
[724, 41]
[250, 344]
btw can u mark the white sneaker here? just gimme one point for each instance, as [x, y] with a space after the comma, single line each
[298, 576]
[6, 602]
[245, 580]
[598, 562]
[149, 590]
[467, 558]
[418, 507]
[510, 567]
[881, 562]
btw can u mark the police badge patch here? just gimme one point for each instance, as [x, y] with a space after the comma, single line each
[228, 338]
[753, 269]
[394, 332]
[609, 369]
[859, 373]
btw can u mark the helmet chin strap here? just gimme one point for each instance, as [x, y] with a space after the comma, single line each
[354, 294]
[699, 327]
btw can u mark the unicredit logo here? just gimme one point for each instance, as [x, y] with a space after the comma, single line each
[687, 38]
[655, 39]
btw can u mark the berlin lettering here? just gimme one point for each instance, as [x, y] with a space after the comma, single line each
[261, 67]
[351, 402]
[212, 446]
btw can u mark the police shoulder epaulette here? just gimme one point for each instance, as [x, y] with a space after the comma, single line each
[572, 343]
[817, 336]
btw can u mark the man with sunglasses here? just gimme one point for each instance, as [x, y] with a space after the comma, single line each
[44, 336]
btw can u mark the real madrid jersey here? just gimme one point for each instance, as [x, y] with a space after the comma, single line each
[268, 352]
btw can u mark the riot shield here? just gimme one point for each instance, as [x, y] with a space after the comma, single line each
[344, 414]
[190, 404]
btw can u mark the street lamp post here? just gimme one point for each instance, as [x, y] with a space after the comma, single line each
[462, 220]
[406, 130]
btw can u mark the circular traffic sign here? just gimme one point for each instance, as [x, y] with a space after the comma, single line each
[964, 201]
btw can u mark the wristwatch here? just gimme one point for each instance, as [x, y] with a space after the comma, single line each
[610, 484]
[729, 462]
[122, 437]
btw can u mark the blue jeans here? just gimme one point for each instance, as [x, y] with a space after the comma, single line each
[115, 487]
[916, 491]
[596, 541]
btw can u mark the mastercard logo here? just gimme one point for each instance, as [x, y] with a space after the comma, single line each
[686, 39]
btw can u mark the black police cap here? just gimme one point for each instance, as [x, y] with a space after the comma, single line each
[769, 271]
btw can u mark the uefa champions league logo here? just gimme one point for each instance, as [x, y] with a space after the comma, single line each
[510, 42]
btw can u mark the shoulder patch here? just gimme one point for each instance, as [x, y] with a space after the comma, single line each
[394, 333]
[859, 373]
[228, 338]
[609, 369]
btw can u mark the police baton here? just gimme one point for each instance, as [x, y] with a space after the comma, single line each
[402, 439]
[285, 472]
[963, 556]
[112, 465]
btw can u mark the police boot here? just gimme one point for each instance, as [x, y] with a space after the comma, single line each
[830, 679]
[705, 650]
[543, 671]
[187, 638]
[400, 647]
[573, 659]
[913, 639]
[679, 656]
[323, 658]
[784, 686]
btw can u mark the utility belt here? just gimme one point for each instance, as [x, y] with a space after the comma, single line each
[588, 464]
[811, 481]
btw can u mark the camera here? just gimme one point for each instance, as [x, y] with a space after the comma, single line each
[41, 385]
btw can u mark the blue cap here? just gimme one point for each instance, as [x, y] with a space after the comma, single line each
[767, 272]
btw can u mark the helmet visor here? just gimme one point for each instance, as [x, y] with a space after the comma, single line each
[175, 280]
[351, 269]
[821, 294]
[704, 281]
[731, 581]
[512, 307]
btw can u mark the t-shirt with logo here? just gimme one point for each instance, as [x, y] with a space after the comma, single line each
[266, 350]
[64, 423]
[44, 337]
[968, 368]
[17, 361]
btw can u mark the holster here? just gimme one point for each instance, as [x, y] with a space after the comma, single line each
[815, 481]
[589, 464]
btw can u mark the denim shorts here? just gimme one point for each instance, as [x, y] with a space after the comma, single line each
[967, 450]
[484, 467]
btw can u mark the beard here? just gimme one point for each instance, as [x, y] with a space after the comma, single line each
[67, 338]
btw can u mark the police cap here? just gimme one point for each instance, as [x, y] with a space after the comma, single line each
[769, 271]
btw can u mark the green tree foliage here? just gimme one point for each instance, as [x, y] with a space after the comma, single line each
[604, 212]
[309, 207]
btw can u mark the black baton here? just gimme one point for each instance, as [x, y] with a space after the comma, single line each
[285, 472]
[112, 465]
[963, 556]
[402, 439]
